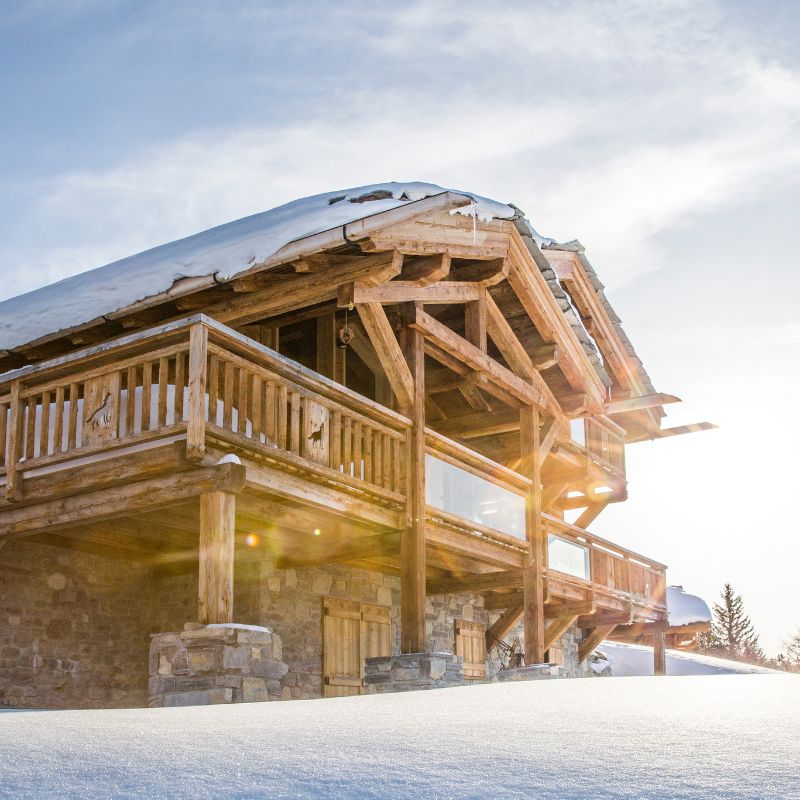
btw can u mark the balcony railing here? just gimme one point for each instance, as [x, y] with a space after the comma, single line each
[198, 380]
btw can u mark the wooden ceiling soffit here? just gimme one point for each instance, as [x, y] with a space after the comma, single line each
[387, 544]
[544, 311]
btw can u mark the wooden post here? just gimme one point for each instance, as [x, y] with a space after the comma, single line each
[534, 577]
[412, 543]
[15, 436]
[326, 346]
[196, 423]
[217, 524]
[659, 654]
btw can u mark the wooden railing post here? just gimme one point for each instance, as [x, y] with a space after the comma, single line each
[13, 482]
[196, 423]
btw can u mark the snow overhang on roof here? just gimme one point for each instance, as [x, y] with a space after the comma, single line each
[237, 248]
[686, 609]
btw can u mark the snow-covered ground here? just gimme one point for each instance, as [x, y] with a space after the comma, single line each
[634, 659]
[726, 737]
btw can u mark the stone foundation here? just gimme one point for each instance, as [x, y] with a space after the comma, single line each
[412, 671]
[206, 665]
[532, 672]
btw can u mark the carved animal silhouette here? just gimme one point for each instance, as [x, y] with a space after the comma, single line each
[101, 418]
[316, 436]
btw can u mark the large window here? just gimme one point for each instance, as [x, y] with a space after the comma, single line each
[568, 557]
[472, 498]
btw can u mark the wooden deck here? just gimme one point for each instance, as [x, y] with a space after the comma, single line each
[134, 431]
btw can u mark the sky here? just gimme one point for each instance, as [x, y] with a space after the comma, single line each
[665, 135]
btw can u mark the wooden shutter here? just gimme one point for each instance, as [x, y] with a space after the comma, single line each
[555, 655]
[352, 632]
[471, 646]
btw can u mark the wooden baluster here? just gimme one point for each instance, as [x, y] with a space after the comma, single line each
[357, 458]
[44, 426]
[368, 468]
[147, 394]
[336, 440]
[72, 425]
[270, 413]
[213, 390]
[294, 425]
[256, 400]
[30, 428]
[347, 454]
[377, 458]
[243, 401]
[386, 480]
[3, 433]
[58, 422]
[180, 380]
[283, 413]
[130, 402]
[227, 397]
[397, 475]
[13, 481]
[163, 383]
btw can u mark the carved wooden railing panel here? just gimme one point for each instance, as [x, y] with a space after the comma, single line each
[265, 408]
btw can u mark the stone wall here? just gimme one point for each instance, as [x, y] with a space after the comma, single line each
[73, 629]
[411, 672]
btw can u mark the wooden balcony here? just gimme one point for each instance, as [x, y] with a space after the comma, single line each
[140, 426]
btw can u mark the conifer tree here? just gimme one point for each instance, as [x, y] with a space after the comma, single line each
[732, 634]
[790, 659]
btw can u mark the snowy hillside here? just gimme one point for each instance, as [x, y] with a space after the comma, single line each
[732, 737]
[634, 659]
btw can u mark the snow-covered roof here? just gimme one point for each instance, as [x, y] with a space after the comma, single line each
[685, 609]
[218, 254]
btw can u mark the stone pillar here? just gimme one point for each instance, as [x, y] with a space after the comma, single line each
[208, 665]
[411, 671]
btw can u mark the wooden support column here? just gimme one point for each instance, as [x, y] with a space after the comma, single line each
[217, 525]
[326, 346]
[593, 638]
[412, 544]
[534, 576]
[659, 654]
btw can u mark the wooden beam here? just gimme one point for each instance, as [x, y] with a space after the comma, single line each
[215, 585]
[473, 426]
[461, 350]
[577, 608]
[659, 654]
[427, 270]
[443, 293]
[592, 640]
[326, 345]
[557, 628]
[475, 321]
[475, 583]
[380, 333]
[412, 546]
[592, 512]
[495, 602]
[95, 506]
[387, 544]
[545, 356]
[679, 430]
[637, 403]
[503, 624]
[607, 618]
[534, 588]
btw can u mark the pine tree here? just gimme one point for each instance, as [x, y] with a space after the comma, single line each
[790, 658]
[732, 634]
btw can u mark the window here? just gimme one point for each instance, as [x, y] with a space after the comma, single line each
[568, 557]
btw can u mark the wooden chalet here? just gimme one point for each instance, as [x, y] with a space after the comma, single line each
[417, 390]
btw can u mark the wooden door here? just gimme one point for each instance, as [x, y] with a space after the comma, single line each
[471, 646]
[351, 633]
